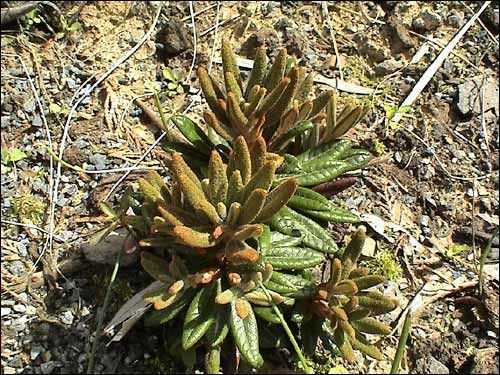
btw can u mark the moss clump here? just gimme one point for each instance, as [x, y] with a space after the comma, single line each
[29, 208]
[456, 249]
[384, 264]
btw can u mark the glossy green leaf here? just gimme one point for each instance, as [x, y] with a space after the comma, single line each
[290, 285]
[246, 335]
[267, 314]
[157, 317]
[283, 258]
[314, 236]
[279, 239]
[193, 133]
[199, 317]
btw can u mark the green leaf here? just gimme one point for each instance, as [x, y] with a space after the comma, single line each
[108, 210]
[219, 329]
[288, 221]
[157, 317]
[193, 133]
[156, 267]
[168, 75]
[267, 314]
[100, 234]
[246, 335]
[279, 239]
[265, 239]
[199, 317]
[290, 285]
[292, 257]
[16, 155]
[297, 130]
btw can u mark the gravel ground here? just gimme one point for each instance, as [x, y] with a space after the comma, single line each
[436, 177]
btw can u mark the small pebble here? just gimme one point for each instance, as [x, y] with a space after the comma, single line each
[30, 310]
[5, 311]
[491, 334]
[48, 367]
[67, 317]
[35, 351]
[19, 308]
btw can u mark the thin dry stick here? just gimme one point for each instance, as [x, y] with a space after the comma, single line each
[438, 61]
[90, 367]
[492, 37]
[99, 171]
[31, 226]
[483, 124]
[332, 36]
[212, 55]
[191, 12]
[439, 44]
[223, 23]
[374, 20]
[127, 108]
[257, 5]
[199, 12]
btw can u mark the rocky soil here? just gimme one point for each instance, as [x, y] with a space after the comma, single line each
[430, 200]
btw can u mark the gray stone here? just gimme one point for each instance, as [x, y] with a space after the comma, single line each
[469, 96]
[430, 365]
[9, 370]
[37, 120]
[105, 251]
[455, 19]
[67, 317]
[30, 106]
[427, 20]
[19, 308]
[425, 220]
[48, 367]
[99, 160]
[36, 350]
[17, 268]
[176, 37]
[369, 48]
[5, 311]
[20, 323]
[388, 66]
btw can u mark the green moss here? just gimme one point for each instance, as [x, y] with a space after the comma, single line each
[456, 249]
[29, 208]
[384, 264]
[378, 147]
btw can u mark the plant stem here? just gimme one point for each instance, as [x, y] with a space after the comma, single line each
[306, 368]
[162, 115]
[401, 344]
[484, 255]
[90, 367]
